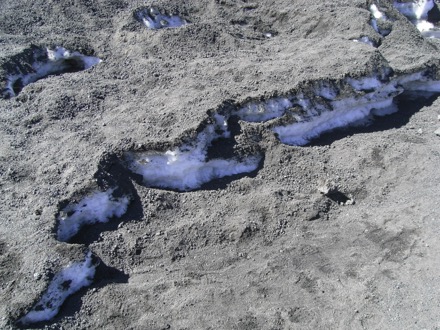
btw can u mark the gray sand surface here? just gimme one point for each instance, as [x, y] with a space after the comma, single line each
[258, 250]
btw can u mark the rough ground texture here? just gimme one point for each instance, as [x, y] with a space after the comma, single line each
[260, 251]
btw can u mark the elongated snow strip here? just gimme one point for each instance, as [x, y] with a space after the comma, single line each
[98, 207]
[372, 95]
[65, 283]
[343, 113]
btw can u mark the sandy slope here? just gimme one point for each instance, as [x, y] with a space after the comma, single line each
[258, 251]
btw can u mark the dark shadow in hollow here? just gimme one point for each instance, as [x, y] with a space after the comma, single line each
[434, 15]
[338, 197]
[407, 105]
[104, 275]
[112, 174]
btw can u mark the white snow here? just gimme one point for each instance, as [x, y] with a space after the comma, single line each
[377, 14]
[98, 207]
[416, 9]
[186, 168]
[419, 83]
[154, 20]
[344, 112]
[378, 17]
[65, 283]
[59, 60]
[365, 40]
[263, 111]
[417, 12]
[327, 91]
[377, 100]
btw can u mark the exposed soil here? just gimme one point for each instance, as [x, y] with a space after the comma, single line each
[259, 250]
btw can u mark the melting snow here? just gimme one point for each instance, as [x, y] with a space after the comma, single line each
[64, 284]
[58, 60]
[99, 207]
[186, 168]
[417, 12]
[154, 20]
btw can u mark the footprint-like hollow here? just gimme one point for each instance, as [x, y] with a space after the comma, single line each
[188, 166]
[153, 19]
[36, 63]
[65, 283]
[97, 207]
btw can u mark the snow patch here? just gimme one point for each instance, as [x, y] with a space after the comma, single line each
[98, 207]
[375, 96]
[55, 61]
[416, 9]
[417, 12]
[344, 112]
[65, 283]
[154, 20]
[187, 168]
[378, 20]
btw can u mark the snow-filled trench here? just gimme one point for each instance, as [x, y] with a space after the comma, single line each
[46, 62]
[327, 109]
[187, 167]
[65, 283]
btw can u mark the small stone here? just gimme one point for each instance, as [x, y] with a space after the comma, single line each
[438, 117]
[420, 131]
[437, 132]
[325, 186]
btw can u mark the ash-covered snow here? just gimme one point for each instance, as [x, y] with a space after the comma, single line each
[65, 283]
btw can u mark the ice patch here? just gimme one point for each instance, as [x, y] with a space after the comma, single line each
[65, 283]
[260, 112]
[55, 61]
[187, 168]
[99, 207]
[154, 20]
